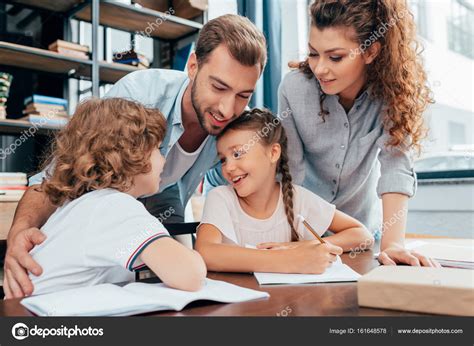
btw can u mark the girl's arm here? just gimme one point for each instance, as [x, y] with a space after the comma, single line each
[392, 246]
[350, 234]
[312, 258]
[176, 265]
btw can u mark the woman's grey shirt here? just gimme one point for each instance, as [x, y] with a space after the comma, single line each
[343, 159]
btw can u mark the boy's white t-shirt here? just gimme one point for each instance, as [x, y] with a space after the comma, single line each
[96, 238]
[222, 209]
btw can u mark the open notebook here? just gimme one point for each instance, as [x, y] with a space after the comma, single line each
[338, 272]
[134, 298]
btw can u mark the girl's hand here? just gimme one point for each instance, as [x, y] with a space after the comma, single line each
[312, 257]
[399, 255]
[286, 245]
[278, 246]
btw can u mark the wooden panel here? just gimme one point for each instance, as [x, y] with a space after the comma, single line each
[40, 59]
[183, 8]
[44, 60]
[141, 20]
[50, 5]
[18, 126]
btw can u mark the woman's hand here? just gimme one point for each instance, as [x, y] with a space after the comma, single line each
[396, 254]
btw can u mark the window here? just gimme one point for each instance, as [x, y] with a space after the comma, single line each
[460, 28]
[457, 133]
[419, 10]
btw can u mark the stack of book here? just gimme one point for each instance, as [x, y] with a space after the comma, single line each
[13, 184]
[132, 58]
[5, 82]
[45, 110]
[70, 49]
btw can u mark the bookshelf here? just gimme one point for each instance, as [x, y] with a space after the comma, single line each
[133, 18]
[130, 18]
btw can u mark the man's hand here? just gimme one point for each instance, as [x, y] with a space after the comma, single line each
[18, 262]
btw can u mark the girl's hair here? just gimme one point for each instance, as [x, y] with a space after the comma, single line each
[396, 76]
[268, 131]
[106, 143]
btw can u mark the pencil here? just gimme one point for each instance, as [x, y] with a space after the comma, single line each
[307, 225]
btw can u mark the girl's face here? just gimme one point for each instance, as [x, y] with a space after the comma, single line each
[247, 164]
[337, 61]
[149, 183]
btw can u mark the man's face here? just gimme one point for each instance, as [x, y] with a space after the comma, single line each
[221, 88]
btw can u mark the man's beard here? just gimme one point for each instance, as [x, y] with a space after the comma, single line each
[210, 128]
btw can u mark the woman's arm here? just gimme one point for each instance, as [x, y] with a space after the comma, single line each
[312, 258]
[176, 265]
[392, 246]
[349, 233]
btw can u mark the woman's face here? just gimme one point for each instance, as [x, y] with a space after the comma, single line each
[337, 62]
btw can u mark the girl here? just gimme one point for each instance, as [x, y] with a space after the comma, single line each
[356, 108]
[105, 158]
[257, 210]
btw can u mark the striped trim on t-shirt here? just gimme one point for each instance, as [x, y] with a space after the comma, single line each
[140, 248]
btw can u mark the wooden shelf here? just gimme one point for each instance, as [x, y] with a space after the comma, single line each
[50, 5]
[135, 19]
[10, 126]
[45, 60]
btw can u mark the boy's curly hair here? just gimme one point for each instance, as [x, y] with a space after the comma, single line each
[396, 76]
[106, 143]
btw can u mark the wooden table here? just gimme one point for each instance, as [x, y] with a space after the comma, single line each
[334, 299]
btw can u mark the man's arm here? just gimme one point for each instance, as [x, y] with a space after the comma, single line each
[32, 212]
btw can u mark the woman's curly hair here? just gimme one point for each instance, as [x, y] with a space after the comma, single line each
[106, 143]
[396, 76]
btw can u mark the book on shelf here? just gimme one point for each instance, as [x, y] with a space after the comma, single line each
[45, 120]
[71, 52]
[47, 114]
[13, 178]
[5, 82]
[131, 58]
[41, 107]
[13, 183]
[35, 98]
[12, 190]
[68, 45]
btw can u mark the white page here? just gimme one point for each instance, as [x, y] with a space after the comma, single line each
[338, 272]
[134, 298]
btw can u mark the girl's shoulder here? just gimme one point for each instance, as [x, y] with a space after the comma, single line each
[295, 81]
[223, 193]
[303, 195]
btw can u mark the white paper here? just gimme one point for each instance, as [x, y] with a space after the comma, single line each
[338, 272]
[134, 298]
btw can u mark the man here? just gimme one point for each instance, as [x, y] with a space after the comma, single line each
[222, 74]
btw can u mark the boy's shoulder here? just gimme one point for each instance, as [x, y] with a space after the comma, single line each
[111, 200]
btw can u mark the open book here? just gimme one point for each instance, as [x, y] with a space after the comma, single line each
[338, 272]
[134, 298]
